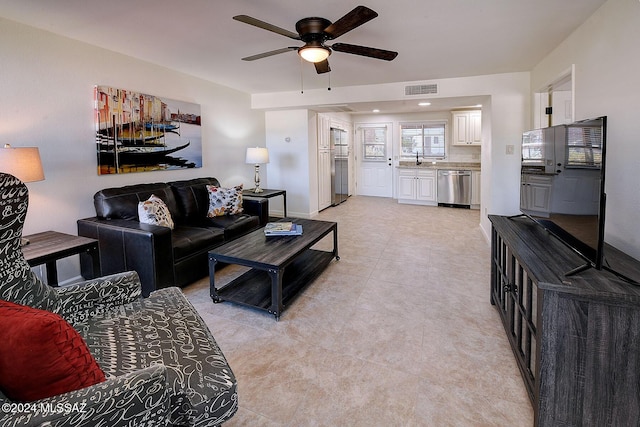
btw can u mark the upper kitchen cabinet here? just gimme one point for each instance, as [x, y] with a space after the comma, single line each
[467, 127]
[324, 126]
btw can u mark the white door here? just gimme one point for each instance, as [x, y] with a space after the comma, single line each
[555, 102]
[561, 107]
[373, 159]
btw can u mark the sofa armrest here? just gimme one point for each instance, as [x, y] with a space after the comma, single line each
[257, 207]
[86, 299]
[127, 245]
[135, 399]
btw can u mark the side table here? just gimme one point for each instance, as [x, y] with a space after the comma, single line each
[267, 194]
[49, 246]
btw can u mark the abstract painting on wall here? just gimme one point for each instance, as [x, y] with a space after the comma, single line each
[136, 132]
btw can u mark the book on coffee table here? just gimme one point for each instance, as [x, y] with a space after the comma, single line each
[282, 229]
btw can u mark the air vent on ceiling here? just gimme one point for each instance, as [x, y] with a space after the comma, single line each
[431, 89]
[334, 108]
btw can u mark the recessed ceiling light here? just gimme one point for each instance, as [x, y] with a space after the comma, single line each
[376, 111]
[424, 104]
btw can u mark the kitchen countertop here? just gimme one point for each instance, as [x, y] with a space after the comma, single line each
[440, 165]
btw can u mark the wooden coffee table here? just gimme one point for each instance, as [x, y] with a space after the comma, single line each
[281, 266]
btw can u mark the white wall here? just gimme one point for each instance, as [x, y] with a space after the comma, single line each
[505, 115]
[291, 142]
[606, 54]
[46, 100]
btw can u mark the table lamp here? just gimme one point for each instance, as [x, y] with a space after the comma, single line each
[24, 163]
[257, 156]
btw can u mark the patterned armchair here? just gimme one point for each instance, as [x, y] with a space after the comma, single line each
[161, 365]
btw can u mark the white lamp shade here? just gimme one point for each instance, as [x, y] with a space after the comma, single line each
[22, 162]
[257, 155]
[314, 54]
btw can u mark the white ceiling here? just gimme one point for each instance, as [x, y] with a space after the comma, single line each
[435, 38]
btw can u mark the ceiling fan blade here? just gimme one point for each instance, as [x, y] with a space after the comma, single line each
[348, 22]
[371, 52]
[322, 67]
[270, 53]
[266, 26]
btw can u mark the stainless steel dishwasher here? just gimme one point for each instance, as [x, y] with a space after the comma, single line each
[454, 188]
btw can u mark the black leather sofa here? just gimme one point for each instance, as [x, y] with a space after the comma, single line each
[163, 257]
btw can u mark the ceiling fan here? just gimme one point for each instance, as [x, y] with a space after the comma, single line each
[314, 32]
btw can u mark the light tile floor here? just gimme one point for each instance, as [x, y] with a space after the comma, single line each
[399, 332]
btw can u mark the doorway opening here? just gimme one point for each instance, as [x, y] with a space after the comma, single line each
[555, 101]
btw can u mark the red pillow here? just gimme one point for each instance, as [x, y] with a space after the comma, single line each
[41, 355]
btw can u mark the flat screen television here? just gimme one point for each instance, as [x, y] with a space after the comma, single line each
[562, 184]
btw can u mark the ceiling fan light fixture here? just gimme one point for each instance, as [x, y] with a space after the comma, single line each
[314, 53]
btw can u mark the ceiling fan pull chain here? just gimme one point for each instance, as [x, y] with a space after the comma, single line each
[329, 88]
[301, 80]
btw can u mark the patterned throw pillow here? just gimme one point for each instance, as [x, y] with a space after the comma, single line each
[224, 201]
[155, 212]
[41, 355]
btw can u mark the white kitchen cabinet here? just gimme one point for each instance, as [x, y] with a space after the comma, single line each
[324, 127]
[324, 162]
[475, 189]
[324, 179]
[417, 186]
[466, 127]
[407, 184]
[427, 186]
[535, 196]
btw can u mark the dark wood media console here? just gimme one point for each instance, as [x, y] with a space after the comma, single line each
[576, 338]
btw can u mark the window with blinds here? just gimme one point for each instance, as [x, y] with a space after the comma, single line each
[584, 147]
[374, 143]
[423, 139]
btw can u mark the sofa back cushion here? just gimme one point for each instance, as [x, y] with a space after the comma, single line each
[192, 198]
[122, 202]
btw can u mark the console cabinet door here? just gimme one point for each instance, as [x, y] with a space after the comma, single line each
[516, 296]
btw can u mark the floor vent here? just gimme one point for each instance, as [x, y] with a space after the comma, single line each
[421, 89]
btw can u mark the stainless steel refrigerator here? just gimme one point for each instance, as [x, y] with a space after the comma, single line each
[339, 166]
